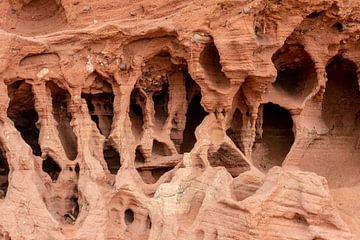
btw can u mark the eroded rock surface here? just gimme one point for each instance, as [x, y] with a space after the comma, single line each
[178, 120]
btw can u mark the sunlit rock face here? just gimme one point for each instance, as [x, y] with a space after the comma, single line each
[179, 120]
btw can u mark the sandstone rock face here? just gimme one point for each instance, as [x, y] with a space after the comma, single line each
[179, 120]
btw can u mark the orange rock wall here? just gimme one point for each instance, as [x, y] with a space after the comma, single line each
[204, 120]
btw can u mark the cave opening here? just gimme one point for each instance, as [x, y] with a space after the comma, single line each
[51, 168]
[137, 101]
[150, 172]
[22, 112]
[129, 216]
[139, 157]
[151, 176]
[60, 100]
[160, 149]
[341, 101]
[148, 222]
[4, 174]
[100, 107]
[77, 169]
[210, 62]
[112, 158]
[272, 146]
[166, 83]
[47, 15]
[296, 73]
[194, 116]
[158, 172]
[153, 86]
[161, 100]
[37, 10]
[235, 129]
[315, 14]
[72, 209]
[62, 196]
[338, 26]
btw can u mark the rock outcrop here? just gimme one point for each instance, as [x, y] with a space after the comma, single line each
[161, 120]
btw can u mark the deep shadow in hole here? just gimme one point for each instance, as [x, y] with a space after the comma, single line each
[22, 112]
[148, 222]
[210, 61]
[315, 14]
[101, 110]
[153, 175]
[77, 169]
[194, 116]
[112, 158]
[340, 106]
[296, 73]
[234, 132]
[161, 100]
[4, 174]
[338, 27]
[160, 148]
[136, 112]
[71, 216]
[139, 157]
[52, 168]
[60, 98]
[277, 136]
[158, 172]
[129, 216]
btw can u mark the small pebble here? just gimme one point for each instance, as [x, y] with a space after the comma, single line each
[86, 8]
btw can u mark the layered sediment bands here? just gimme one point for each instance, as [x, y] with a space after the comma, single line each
[179, 120]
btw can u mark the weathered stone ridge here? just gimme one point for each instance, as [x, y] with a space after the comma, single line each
[174, 120]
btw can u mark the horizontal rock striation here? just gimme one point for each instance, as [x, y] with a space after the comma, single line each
[204, 120]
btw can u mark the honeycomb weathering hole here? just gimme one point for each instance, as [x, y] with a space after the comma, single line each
[129, 216]
[62, 201]
[4, 174]
[159, 94]
[40, 16]
[101, 106]
[210, 61]
[151, 176]
[22, 112]
[276, 136]
[335, 155]
[340, 106]
[51, 168]
[160, 148]
[60, 99]
[296, 72]
[139, 157]
[112, 158]
[137, 102]
[194, 116]
[235, 129]
[161, 100]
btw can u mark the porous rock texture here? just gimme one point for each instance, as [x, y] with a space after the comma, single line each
[180, 119]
